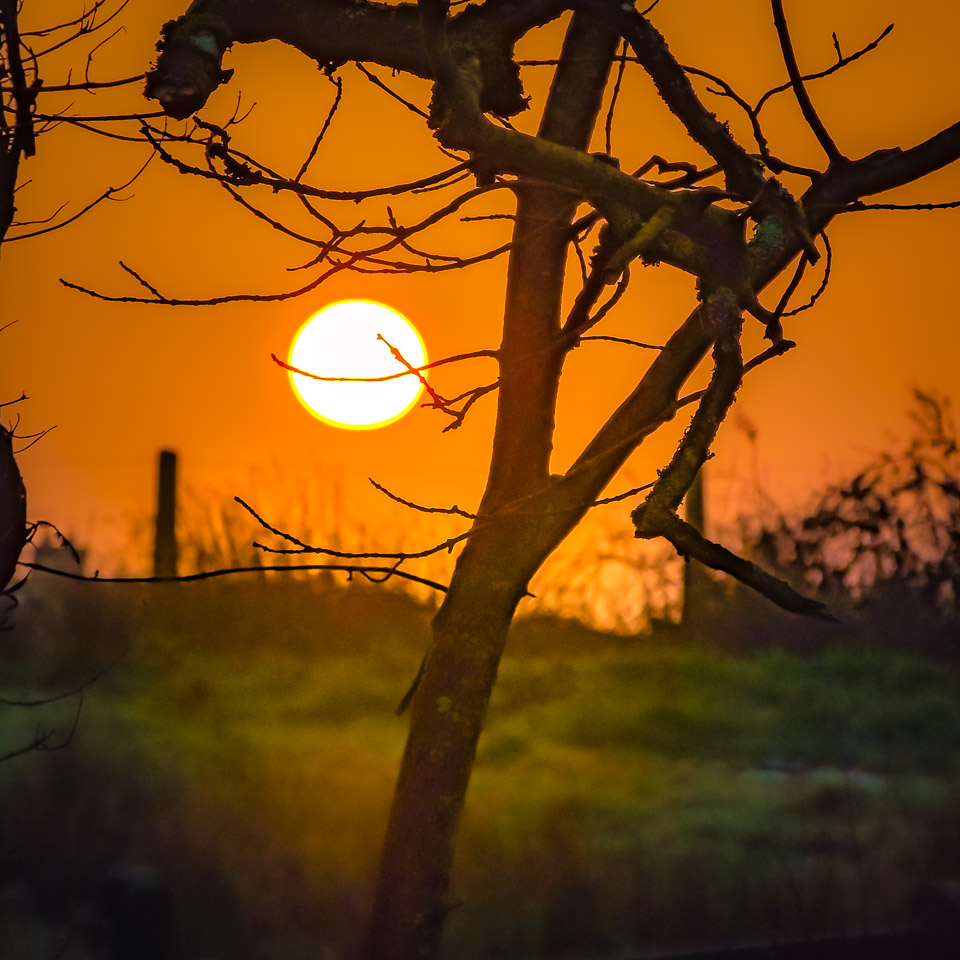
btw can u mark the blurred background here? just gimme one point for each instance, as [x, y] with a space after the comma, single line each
[669, 762]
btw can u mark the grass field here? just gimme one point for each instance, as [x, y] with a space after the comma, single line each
[630, 794]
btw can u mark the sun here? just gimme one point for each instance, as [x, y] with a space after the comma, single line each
[351, 339]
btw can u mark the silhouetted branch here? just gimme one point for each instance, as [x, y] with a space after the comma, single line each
[675, 89]
[338, 83]
[800, 91]
[774, 329]
[624, 340]
[374, 79]
[85, 85]
[860, 205]
[439, 403]
[453, 511]
[156, 137]
[108, 194]
[824, 281]
[778, 349]
[97, 118]
[86, 24]
[723, 316]
[841, 62]
[457, 358]
[301, 547]
[471, 396]
[66, 24]
[352, 259]
[367, 572]
[579, 319]
[614, 97]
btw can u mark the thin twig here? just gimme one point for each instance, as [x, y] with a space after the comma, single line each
[608, 123]
[828, 264]
[108, 194]
[841, 62]
[374, 79]
[438, 401]
[453, 511]
[302, 547]
[338, 83]
[625, 340]
[390, 376]
[860, 205]
[364, 571]
[86, 85]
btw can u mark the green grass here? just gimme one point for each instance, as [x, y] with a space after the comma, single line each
[629, 794]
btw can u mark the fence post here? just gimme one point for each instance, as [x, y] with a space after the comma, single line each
[696, 582]
[165, 538]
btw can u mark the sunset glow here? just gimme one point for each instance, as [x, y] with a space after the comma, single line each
[353, 338]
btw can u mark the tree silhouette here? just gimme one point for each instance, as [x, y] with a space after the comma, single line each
[735, 216]
[21, 125]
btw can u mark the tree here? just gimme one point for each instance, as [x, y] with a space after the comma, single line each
[735, 217]
[20, 127]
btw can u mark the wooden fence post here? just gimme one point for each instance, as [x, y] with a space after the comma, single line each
[696, 582]
[165, 538]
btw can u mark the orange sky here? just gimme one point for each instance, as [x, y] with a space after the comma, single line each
[120, 381]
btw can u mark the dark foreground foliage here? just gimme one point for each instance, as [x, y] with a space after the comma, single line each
[630, 794]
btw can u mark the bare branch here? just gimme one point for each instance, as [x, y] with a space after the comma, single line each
[350, 569]
[301, 547]
[100, 118]
[108, 194]
[723, 315]
[433, 364]
[86, 24]
[608, 123]
[800, 91]
[624, 340]
[778, 349]
[860, 205]
[338, 83]
[690, 543]
[882, 170]
[277, 184]
[454, 510]
[675, 89]
[374, 79]
[438, 401]
[81, 20]
[815, 296]
[841, 62]
[86, 85]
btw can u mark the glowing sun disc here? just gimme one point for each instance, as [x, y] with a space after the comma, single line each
[342, 341]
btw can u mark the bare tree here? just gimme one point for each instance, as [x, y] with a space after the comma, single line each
[20, 127]
[22, 123]
[734, 215]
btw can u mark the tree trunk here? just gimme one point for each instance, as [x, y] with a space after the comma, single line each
[13, 137]
[495, 567]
